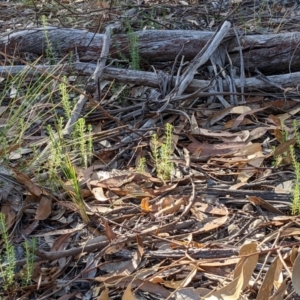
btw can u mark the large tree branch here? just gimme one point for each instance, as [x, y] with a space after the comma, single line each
[270, 53]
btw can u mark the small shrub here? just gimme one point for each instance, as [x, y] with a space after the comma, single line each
[162, 154]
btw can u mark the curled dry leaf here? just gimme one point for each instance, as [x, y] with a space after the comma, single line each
[44, 209]
[284, 147]
[147, 207]
[27, 182]
[212, 223]
[128, 294]
[172, 208]
[241, 117]
[264, 204]
[225, 112]
[104, 294]
[181, 283]
[249, 150]
[211, 150]
[98, 194]
[109, 232]
[280, 293]
[9, 214]
[249, 169]
[268, 281]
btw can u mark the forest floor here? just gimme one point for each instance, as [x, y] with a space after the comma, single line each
[147, 196]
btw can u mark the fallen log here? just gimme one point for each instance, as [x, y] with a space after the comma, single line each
[150, 79]
[271, 53]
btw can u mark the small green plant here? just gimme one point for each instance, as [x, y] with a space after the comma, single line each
[82, 139]
[162, 154]
[279, 159]
[49, 47]
[296, 186]
[24, 108]
[73, 187]
[8, 272]
[141, 165]
[134, 52]
[296, 132]
[57, 150]
[30, 248]
[65, 99]
[133, 41]
[259, 14]
[290, 156]
[276, 159]
[296, 166]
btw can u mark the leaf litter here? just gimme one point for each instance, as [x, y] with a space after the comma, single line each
[219, 227]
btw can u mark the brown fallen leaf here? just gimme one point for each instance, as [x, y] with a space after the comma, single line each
[177, 284]
[257, 133]
[240, 110]
[229, 124]
[289, 114]
[249, 169]
[104, 294]
[210, 150]
[248, 150]
[9, 215]
[242, 275]
[267, 284]
[280, 293]
[241, 117]
[109, 232]
[128, 294]
[144, 285]
[284, 147]
[27, 182]
[210, 209]
[44, 209]
[266, 205]
[212, 223]
[171, 209]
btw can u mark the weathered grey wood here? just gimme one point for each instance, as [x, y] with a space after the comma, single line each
[201, 58]
[269, 53]
[150, 78]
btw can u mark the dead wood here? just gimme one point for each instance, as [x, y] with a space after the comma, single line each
[151, 79]
[270, 53]
[99, 244]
